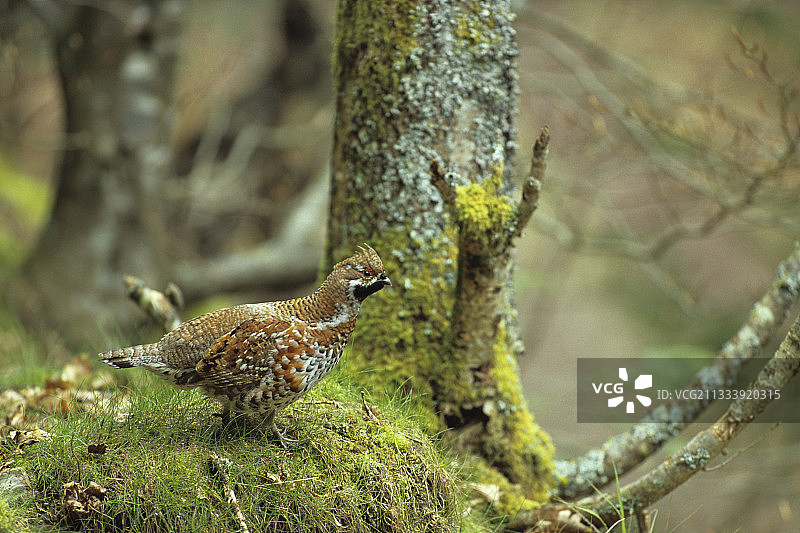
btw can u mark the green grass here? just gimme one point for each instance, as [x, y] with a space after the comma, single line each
[346, 472]
[25, 360]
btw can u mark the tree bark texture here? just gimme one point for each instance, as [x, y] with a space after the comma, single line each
[116, 68]
[415, 83]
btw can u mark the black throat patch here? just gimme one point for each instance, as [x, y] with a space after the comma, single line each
[362, 291]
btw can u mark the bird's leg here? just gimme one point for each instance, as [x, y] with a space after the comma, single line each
[225, 415]
[231, 420]
[280, 435]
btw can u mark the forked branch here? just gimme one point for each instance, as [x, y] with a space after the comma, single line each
[487, 222]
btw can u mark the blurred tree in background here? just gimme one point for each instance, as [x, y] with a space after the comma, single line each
[133, 198]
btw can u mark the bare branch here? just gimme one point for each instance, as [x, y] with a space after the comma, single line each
[267, 266]
[162, 307]
[530, 190]
[605, 509]
[627, 450]
[289, 259]
[709, 443]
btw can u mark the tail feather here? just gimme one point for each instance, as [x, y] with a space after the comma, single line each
[141, 355]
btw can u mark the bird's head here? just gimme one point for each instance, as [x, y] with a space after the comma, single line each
[361, 274]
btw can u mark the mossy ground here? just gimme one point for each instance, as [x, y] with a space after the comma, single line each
[350, 469]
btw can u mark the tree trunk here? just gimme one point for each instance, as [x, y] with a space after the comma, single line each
[418, 82]
[116, 67]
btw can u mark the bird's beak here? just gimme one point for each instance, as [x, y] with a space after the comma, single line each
[386, 281]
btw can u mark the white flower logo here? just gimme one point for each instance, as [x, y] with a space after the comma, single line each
[644, 381]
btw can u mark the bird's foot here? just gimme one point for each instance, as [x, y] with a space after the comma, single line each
[281, 436]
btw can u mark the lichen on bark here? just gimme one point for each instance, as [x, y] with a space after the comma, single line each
[417, 82]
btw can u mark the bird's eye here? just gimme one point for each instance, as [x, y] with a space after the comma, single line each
[368, 271]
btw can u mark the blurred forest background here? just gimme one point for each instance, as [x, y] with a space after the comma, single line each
[671, 194]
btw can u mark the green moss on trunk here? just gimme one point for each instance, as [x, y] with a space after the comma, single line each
[416, 82]
[526, 447]
[401, 341]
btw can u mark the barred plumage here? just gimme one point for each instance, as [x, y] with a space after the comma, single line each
[259, 358]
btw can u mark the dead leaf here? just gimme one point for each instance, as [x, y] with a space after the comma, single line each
[13, 403]
[96, 448]
[28, 437]
[487, 492]
[72, 373]
[57, 384]
[79, 501]
[16, 418]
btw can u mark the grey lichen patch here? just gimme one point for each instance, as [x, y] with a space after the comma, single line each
[591, 468]
[484, 39]
[696, 459]
[404, 78]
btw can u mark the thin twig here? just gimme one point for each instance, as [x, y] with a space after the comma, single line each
[336, 404]
[369, 411]
[162, 307]
[533, 185]
[222, 466]
[743, 450]
[643, 521]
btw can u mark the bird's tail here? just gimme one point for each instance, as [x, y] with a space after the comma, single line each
[142, 355]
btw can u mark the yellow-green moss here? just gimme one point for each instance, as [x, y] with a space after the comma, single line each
[480, 207]
[510, 499]
[531, 450]
[399, 353]
[374, 41]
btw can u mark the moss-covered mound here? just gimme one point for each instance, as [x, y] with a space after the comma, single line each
[144, 465]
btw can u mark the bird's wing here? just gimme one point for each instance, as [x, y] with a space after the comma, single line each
[257, 352]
